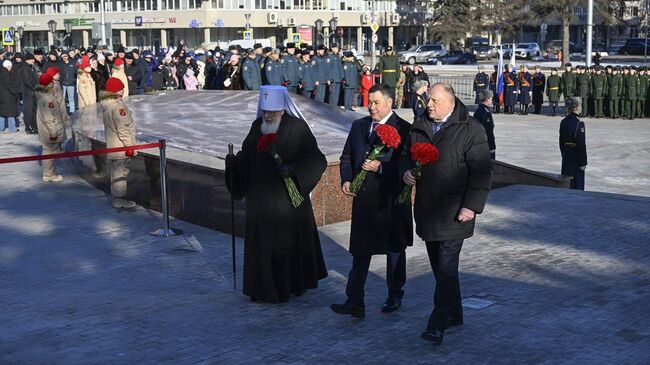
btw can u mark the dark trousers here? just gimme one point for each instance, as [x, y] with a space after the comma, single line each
[395, 276]
[348, 96]
[29, 113]
[578, 181]
[320, 92]
[447, 303]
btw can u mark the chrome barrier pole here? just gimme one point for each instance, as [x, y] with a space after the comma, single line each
[166, 231]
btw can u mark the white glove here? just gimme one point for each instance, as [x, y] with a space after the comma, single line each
[583, 167]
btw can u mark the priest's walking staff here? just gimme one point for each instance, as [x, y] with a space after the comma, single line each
[232, 224]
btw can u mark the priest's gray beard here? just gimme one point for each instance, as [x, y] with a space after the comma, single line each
[271, 125]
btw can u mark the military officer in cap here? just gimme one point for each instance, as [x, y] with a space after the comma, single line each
[322, 67]
[291, 74]
[632, 89]
[582, 88]
[481, 83]
[553, 89]
[335, 74]
[511, 87]
[273, 68]
[624, 101]
[568, 81]
[351, 78]
[643, 92]
[308, 75]
[525, 89]
[496, 102]
[251, 72]
[389, 69]
[539, 83]
[614, 88]
[259, 52]
[598, 89]
[572, 144]
[608, 74]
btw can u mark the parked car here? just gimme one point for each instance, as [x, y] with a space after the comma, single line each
[453, 58]
[527, 50]
[556, 45]
[615, 47]
[507, 50]
[484, 52]
[635, 46]
[421, 53]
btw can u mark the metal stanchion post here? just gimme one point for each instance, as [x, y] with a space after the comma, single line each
[166, 231]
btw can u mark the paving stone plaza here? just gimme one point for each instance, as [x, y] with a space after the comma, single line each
[551, 276]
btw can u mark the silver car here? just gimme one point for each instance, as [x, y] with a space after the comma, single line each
[420, 54]
[527, 50]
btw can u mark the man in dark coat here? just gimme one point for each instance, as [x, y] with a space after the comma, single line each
[282, 253]
[539, 84]
[134, 75]
[483, 116]
[351, 78]
[8, 97]
[380, 226]
[572, 144]
[29, 81]
[449, 194]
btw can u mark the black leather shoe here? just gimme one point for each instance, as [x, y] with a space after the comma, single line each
[391, 305]
[433, 335]
[454, 322]
[347, 308]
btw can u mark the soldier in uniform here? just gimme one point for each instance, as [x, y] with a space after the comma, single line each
[308, 75]
[351, 80]
[642, 92]
[511, 87]
[553, 89]
[539, 83]
[51, 130]
[632, 89]
[291, 75]
[481, 83]
[582, 88]
[496, 102]
[598, 89]
[334, 75]
[251, 72]
[525, 89]
[572, 144]
[608, 74]
[388, 67]
[119, 129]
[624, 105]
[273, 69]
[399, 87]
[568, 82]
[321, 64]
[483, 116]
[614, 88]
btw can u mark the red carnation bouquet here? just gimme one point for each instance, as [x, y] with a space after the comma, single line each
[423, 154]
[389, 138]
[265, 143]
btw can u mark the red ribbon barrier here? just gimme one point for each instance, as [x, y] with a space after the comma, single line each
[80, 153]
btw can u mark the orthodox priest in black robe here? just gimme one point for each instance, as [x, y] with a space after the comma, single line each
[282, 252]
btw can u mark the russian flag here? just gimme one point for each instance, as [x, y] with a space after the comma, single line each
[500, 70]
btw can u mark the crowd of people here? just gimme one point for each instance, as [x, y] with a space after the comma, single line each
[612, 91]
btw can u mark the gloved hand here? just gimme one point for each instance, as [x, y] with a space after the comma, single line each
[231, 161]
[284, 170]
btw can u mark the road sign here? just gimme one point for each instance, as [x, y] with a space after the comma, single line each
[7, 37]
[248, 35]
[543, 27]
[295, 38]
[138, 21]
[375, 38]
[375, 27]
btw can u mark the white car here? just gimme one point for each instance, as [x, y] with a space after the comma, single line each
[527, 50]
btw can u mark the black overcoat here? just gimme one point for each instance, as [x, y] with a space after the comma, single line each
[460, 178]
[282, 252]
[378, 224]
[8, 94]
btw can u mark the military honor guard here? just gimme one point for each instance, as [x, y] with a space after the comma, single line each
[572, 144]
[539, 85]
[282, 251]
[631, 93]
[614, 88]
[553, 90]
[50, 119]
[643, 92]
[525, 89]
[583, 84]
[598, 91]
[481, 83]
[380, 226]
[568, 81]
[388, 67]
[511, 89]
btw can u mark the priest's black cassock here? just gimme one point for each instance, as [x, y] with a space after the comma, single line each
[282, 252]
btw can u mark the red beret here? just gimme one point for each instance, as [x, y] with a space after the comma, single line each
[52, 71]
[45, 79]
[114, 85]
[119, 62]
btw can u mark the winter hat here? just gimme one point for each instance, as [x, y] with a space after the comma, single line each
[85, 62]
[52, 71]
[114, 85]
[7, 64]
[45, 79]
[119, 62]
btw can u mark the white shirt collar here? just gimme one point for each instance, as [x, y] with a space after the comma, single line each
[383, 121]
[444, 120]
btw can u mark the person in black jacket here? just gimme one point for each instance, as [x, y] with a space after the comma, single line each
[484, 116]
[29, 81]
[572, 144]
[8, 97]
[69, 81]
[380, 226]
[419, 99]
[134, 75]
[449, 194]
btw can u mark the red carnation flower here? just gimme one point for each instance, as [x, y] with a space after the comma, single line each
[265, 141]
[424, 153]
[388, 135]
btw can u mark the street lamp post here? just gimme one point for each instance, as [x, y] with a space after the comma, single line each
[319, 29]
[18, 34]
[333, 23]
[52, 28]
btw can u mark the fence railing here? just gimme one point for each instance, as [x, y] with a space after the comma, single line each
[463, 86]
